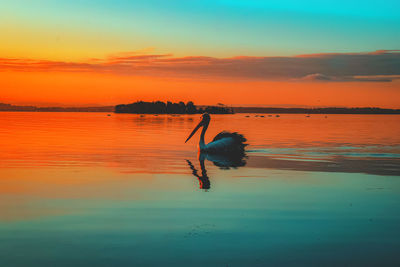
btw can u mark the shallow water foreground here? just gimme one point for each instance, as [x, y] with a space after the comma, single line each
[87, 189]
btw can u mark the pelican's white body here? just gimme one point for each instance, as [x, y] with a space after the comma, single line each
[223, 143]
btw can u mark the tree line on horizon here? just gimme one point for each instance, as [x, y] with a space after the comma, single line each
[190, 108]
[159, 107]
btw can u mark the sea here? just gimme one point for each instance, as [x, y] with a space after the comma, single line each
[105, 189]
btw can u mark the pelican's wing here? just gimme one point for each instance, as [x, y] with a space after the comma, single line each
[239, 138]
[227, 142]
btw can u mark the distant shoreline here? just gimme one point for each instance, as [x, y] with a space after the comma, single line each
[330, 110]
[8, 107]
[254, 110]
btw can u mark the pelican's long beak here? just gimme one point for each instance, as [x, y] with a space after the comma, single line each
[195, 130]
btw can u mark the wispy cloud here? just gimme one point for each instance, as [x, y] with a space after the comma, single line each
[377, 66]
[368, 78]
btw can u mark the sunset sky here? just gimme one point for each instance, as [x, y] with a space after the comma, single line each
[237, 52]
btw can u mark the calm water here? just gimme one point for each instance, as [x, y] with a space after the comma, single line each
[87, 189]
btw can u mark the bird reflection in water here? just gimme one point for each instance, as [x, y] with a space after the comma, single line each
[204, 181]
[223, 161]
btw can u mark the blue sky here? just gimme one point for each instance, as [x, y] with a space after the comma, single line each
[211, 28]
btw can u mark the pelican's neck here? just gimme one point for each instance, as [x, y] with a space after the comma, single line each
[202, 144]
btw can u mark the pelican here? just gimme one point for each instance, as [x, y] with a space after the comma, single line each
[224, 142]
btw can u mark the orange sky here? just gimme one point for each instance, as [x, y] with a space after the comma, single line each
[333, 79]
[88, 88]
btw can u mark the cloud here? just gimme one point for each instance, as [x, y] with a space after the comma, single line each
[372, 78]
[317, 77]
[377, 66]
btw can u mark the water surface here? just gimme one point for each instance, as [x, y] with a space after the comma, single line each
[80, 189]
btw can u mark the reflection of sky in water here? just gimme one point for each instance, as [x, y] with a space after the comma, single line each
[87, 189]
[321, 152]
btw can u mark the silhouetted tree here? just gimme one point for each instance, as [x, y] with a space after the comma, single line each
[190, 108]
[159, 107]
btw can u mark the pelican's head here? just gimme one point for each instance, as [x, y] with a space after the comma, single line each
[204, 121]
[205, 117]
